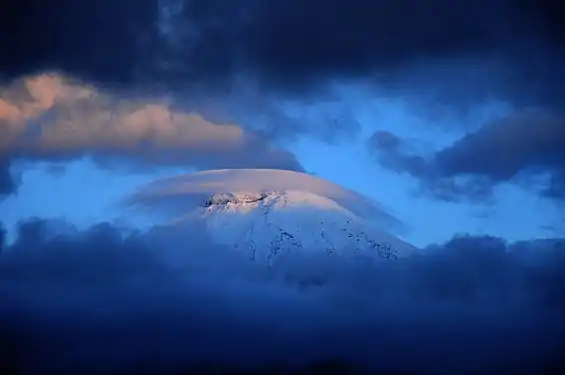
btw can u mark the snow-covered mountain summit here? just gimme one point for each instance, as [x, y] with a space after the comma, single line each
[272, 223]
[268, 217]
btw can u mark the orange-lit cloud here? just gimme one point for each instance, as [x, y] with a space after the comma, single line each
[51, 117]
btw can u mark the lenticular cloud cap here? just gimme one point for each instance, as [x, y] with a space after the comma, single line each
[178, 194]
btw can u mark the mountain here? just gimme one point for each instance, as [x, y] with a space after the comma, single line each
[266, 214]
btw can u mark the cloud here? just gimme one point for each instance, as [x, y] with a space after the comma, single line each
[7, 183]
[50, 117]
[2, 237]
[168, 298]
[180, 193]
[205, 48]
[526, 143]
[203, 40]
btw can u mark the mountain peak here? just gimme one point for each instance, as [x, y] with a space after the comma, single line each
[268, 200]
[269, 224]
[266, 215]
[236, 198]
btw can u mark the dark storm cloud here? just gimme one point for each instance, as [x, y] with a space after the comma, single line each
[102, 298]
[506, 150]
[290, 39]
[104, 40]
[284, 44]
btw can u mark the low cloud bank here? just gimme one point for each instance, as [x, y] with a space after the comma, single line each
[105, 300]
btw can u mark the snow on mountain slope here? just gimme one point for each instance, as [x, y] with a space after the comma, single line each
[268, 218]
[270, 224]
